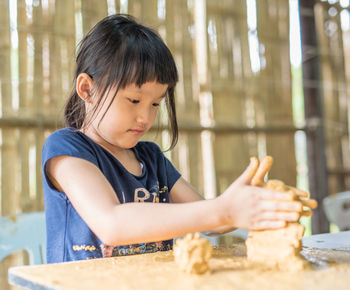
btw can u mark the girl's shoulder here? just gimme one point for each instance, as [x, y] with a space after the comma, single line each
[68, 141]
[66, 136]
[64, 133]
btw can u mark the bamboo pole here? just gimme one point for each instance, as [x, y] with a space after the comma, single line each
[55, 64]
[10, 197]
[183, 20]
[65, 24]
[22, 57]
[38, 58]
[202, 94]
[61, 56]
[276, 101]
[149, 13]
[333, 76]
[243, 75]
[92, 13]
[346, 50]
[24, 105]
[9, 202]
[317, 162]
[134, 8]
[231, 152]
[188, 152]
[38, 93]
[117, 6]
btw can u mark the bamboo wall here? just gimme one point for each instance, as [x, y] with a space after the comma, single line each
[335, 75]
[221, 97]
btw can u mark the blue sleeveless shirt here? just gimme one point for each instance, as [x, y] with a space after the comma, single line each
[68, 237]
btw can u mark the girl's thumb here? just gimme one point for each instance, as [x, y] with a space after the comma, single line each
[248, 174]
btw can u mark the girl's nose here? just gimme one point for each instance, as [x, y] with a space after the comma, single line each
[144, 117]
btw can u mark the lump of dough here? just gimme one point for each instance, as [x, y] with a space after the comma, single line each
[278, 248]
[192, 254]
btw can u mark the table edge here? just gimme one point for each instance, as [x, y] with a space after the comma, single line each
[15, 280]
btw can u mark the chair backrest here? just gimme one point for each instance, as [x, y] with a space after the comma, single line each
[24, 231]
[337, 209]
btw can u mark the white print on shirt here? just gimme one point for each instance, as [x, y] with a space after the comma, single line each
[142, 194]
[84, 248]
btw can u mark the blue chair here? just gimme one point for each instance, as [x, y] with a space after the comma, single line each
[24, 231]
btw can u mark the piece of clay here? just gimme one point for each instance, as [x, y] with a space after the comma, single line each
[192, 254]
[278, 248]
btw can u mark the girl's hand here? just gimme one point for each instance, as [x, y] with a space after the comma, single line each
[256, 208]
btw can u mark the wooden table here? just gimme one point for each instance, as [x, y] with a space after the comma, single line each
[329, 256]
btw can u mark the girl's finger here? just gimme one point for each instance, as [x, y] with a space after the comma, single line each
[279, 216]
[306, 213]
[266, 225]
[276, 195]
[311, 203]
[299, 192]
[264, 167]
[253, 167]
[274, 205]
[247, 175]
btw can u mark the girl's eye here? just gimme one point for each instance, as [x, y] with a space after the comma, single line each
[134, 101]
[156, 105]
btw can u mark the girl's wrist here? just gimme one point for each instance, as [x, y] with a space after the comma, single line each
[223, 211]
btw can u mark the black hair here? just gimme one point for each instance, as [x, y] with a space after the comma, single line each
[118, 51]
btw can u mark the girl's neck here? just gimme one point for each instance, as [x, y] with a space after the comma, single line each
[126, 157]
[96, 136]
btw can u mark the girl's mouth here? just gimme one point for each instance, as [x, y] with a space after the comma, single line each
[136, 131]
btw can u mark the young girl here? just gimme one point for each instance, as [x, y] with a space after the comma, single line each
[108, 194]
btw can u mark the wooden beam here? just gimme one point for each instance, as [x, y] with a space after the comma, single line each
[54, 124]
[317, 163]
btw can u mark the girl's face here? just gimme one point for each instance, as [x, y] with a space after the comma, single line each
[130, 116]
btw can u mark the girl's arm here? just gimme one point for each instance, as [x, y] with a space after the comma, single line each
[120, 224]
[183, 192]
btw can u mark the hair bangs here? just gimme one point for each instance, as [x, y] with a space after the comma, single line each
[145, 58]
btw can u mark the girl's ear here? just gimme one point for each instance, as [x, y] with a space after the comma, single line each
[83, 87]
